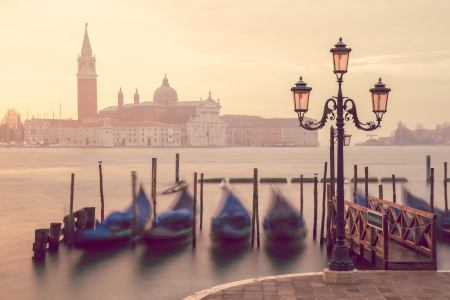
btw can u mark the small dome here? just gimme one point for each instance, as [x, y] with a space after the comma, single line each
[165, 94]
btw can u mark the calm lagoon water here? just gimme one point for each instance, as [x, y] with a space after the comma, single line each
[35, 191]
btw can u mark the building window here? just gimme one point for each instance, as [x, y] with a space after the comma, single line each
[142, 140]
[135, 140]
[129, 140]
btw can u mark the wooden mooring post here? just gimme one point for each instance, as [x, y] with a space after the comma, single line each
[154, 164]
[253, 211]
[90, 215]
[53, 237]
[177, 169]
[194, 213]
[432, 191]
[355, 183]
[301, 195]
[201, 201]
[102, 200]
[380, 191]
[134, 207]
[323, 203]
[255, 197]
[366, 185]
[332, 177]
[394, 194]
[428, 167]
[71, 220]
[40, 243]
[445, 187]
[329, 236]
[315, 207]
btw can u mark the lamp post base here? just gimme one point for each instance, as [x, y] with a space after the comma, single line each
[341, 277]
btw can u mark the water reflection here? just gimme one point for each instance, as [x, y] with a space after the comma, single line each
[157, 255]
[225, 255]
[95, 257]
[282, 254]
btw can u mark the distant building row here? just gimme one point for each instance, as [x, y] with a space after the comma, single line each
[162, 122]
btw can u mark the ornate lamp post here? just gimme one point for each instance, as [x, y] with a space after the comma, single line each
[334, 109]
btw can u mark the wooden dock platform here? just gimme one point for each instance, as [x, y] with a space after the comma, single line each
[406, 240]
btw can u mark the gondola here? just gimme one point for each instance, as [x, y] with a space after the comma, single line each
[443, 218]
[231, 225]
[174, 225]
[283, 222]
[116, 229]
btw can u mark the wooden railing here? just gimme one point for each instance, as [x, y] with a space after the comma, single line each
[403, 225]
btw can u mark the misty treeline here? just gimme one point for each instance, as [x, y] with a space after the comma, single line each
[11, 126]
[420, 136]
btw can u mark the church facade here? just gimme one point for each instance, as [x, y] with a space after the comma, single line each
[162, 121]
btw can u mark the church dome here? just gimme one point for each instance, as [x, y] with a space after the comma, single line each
[165, 94]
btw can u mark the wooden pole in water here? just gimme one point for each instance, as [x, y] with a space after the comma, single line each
[315, 207]
[53, 237]
[194, 213]
[177, 169]
[301, 194]
[253, 209]
[201, 200]
[71, 220]
[332, 161]
[394, 194]
[323, 203]
[445, 186]
[40, 243]
[432, 191]
[366, 186]
[329, 236]
[355, 183]
[154, 163]
[102, 203]
[380, 191]
[255, 180]
[133, 195]
[428, 167]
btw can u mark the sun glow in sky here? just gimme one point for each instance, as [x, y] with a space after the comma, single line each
[248, 53]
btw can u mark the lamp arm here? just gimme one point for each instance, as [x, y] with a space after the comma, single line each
[310, 125]
[369, 126]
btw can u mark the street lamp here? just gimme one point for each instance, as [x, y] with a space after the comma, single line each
[334, 109]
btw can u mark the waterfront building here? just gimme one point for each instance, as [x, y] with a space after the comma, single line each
[246, 130]
[165, 121]
[106, 133]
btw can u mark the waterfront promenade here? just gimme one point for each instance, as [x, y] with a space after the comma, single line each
[391, 285]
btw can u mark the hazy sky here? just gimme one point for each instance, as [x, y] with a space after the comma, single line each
[248, 53]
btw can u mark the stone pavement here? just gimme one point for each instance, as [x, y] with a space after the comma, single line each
[391, 285]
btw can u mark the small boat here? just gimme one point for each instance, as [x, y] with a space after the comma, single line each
[117, 227]
[232, 222]
[443, 218]
[174, 225]
[283, 221]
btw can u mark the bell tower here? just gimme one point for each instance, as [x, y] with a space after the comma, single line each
[87, 80]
